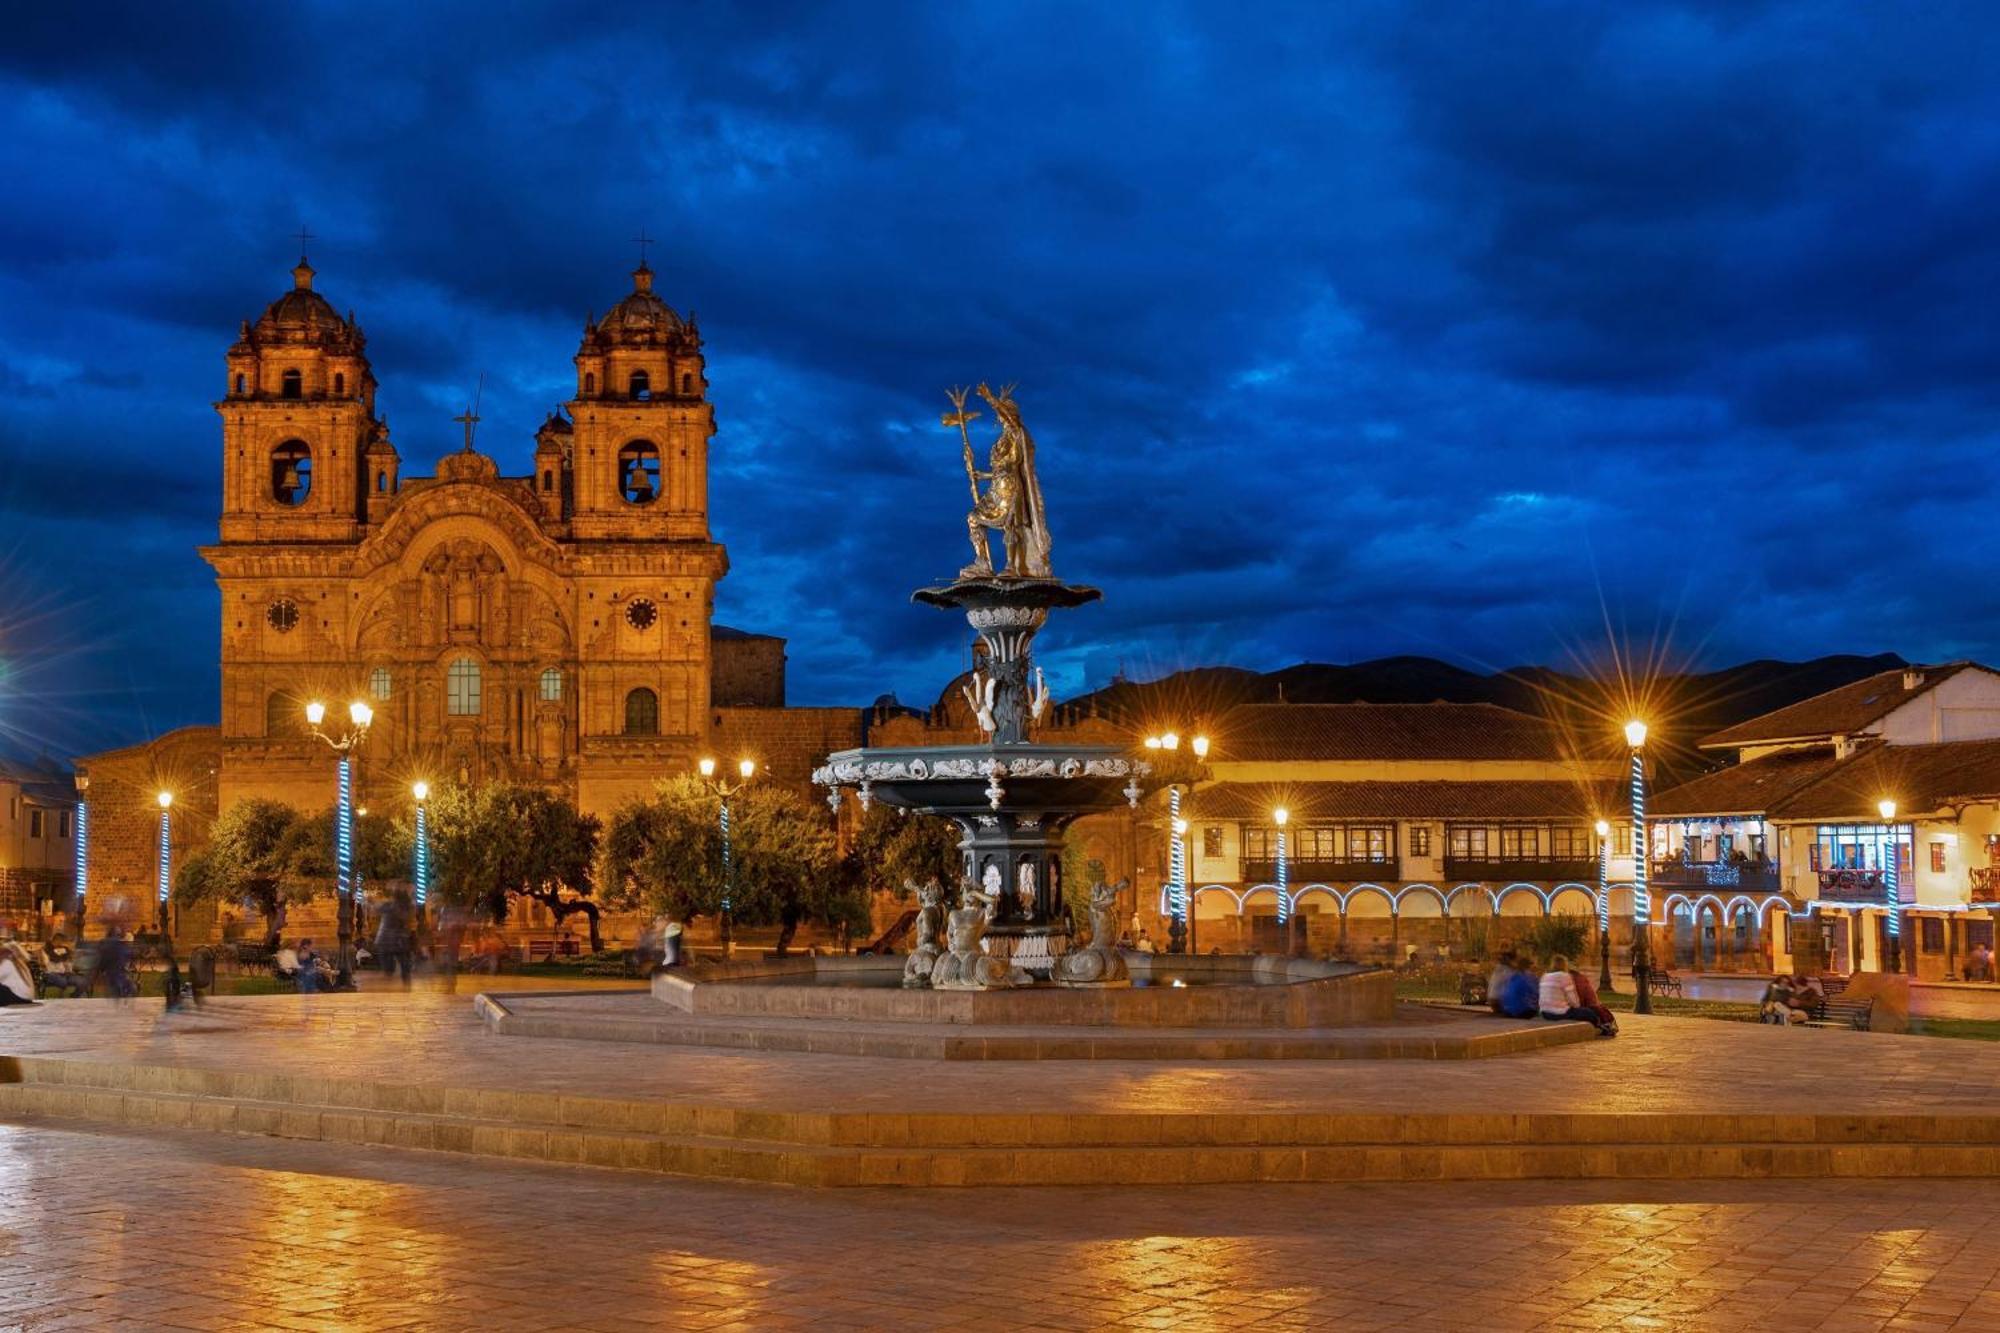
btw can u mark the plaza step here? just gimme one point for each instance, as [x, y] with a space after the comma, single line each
[978, 1149]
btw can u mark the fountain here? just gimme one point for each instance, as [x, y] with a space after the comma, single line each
[1012, 798]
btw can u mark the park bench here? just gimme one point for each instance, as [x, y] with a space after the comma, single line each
[1661, 982]
[1838, 1011]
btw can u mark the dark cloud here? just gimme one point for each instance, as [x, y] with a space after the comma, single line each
[1349, 331]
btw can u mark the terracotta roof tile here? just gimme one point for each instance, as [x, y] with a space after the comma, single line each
[1846, 711]
[1310, 802]
[1279, 732]
[1751, 788]
[1921, 779]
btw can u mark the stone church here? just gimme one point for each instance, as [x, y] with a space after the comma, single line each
[552, 626]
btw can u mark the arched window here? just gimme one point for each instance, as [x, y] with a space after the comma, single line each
[292, 385]
[642, 713]
[291, 472]
[589, 383]
[380, 683]
[283, 716]
[461, 688]
[642, 385]
[639, 472]
[548, 479]
[381, 483]
[687, 383]
[239, 384]
[339, 385]
[552, 684]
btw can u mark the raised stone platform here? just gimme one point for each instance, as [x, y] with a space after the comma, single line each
[1669, 1099]
[1413, 1033]
[1242, 991]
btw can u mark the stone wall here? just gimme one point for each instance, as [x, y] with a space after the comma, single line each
[745, 670]
[787, 743]
[122, 789]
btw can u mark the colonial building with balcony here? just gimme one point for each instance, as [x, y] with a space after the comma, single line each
[1410, 826]
[1786, 859]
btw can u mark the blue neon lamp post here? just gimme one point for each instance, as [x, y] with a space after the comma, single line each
[1604, 905]
[166, 800]
[723, 791]
[1892, 887]
[1180, 924]
[420, 851]
[1642, 906]
[1286, 924]
[359, 716]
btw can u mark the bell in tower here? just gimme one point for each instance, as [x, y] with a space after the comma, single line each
[638, 486]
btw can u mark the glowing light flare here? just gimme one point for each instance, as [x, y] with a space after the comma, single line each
[1635, 733]
[706, 766]
[360, 714]
[747, 767]
[315, 712]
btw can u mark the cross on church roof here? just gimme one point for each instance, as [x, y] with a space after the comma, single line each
[642, 240]
[304, 236]
[470, 417]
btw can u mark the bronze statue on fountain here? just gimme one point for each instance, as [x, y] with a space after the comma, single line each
[1012, 799]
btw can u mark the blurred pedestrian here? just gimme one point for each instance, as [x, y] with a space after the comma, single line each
[393, 940]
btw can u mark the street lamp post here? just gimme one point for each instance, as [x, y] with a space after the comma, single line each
[166, 800]
[359, 716]
[420, 851]
[1891, 887]
[1180, 924]
[1604, 905]
[723, 791]
[1287, 923]
[1642, 907]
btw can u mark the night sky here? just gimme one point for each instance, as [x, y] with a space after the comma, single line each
[1345, 330]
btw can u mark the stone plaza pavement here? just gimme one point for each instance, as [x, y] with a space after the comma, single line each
[175, 1230]
[1659, 1065]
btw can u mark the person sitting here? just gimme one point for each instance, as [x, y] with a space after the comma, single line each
[1980, 966]
[1586, 995]
[1518, 994]
[59, 966]
[1496, 980]
[308, 969]
[17, 976]
[1777, 1006]
[1560, 1002]
[1808, 996]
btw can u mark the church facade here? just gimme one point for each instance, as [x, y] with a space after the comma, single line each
[551, 625]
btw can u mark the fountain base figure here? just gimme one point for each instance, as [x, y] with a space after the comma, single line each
[965, 965]
[929, 936]
[1099, 963]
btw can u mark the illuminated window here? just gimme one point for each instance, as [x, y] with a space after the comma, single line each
[1937, 858]
[380, 683]
[1211, 841]
[551, 685]
[1420, 840]
[461, 688]
[642, 713]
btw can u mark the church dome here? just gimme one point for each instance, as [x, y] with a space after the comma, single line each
[641, 319]
[303, 315]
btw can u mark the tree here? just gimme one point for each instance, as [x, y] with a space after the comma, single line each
[503, 841]
[262, 852]
[893, 848]
[1555, 937]
[667, 853]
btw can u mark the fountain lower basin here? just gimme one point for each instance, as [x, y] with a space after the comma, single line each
[1219, 991]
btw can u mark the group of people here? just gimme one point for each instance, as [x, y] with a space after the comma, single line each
[27, 969]
[1561, 994]
[1791, 999]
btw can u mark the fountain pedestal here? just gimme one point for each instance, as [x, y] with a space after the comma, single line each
[1012, 799]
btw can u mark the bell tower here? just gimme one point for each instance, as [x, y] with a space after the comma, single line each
[298, 422]
[642, 423]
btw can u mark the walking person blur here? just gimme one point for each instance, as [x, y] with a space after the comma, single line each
[393, 940]
[1497, 979]
[114, 964]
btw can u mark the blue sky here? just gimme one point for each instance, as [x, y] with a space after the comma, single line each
[1344, 330]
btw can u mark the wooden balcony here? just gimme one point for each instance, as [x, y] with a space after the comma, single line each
[1750, 878]
[1318, 872]
[1533, 872]
[1986, 884]
[1854, 886]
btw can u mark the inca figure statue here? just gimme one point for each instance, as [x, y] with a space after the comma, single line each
[1012, 501]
